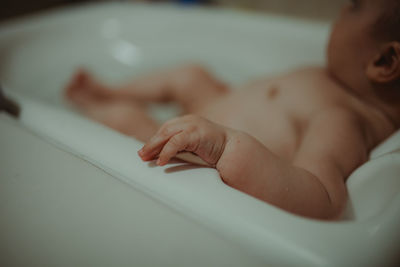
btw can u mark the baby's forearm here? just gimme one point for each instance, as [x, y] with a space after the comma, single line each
[247, 165]
[250, 167]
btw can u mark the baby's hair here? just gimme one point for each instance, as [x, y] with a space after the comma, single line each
[387, 27]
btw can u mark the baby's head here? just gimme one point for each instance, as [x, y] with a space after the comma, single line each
[364, 49]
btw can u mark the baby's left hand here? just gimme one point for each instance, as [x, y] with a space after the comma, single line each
[189, 133]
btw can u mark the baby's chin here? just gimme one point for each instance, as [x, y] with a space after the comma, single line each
[332, 71]
[350, 80]
[336, 70]
[342, 71]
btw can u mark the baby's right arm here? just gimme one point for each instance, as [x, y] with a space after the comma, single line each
[242, 163]
[312, 186]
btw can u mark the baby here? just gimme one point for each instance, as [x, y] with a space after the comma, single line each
[291, 140]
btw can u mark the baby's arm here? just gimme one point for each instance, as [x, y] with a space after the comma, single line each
[313, 185]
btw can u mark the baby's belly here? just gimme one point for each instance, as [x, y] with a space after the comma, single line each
[265, 120]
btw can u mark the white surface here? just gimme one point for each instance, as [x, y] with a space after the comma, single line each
[58, 210]
[39, 55]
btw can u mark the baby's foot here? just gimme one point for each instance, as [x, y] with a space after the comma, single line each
[83, 88]
[105, 106]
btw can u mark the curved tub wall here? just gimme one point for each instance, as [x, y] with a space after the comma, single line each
[374, 187]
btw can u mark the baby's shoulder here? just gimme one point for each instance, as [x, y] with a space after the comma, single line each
[339, 122]
[337, 115]
[348, 123]
[337, 130]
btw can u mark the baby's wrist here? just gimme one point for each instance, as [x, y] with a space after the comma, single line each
[232, 148]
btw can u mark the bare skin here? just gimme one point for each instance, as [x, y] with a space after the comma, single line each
[291, 140]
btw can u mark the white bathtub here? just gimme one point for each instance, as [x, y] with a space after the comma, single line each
[118, 41]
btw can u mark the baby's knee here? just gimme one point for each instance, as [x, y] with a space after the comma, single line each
[194, 69]
[193, 73]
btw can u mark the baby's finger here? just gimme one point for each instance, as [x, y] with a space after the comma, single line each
[153, 147]
[176, 144]
[150, 154]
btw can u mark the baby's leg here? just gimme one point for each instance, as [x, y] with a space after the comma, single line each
[103, 105]
[190, 86]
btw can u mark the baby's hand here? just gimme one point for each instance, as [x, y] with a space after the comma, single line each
[189, 133]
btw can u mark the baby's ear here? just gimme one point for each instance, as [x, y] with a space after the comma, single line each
[385, 66]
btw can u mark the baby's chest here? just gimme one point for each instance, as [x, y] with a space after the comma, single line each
[278, 111]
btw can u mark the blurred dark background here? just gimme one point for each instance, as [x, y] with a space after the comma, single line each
[314, 9]
[16, 8]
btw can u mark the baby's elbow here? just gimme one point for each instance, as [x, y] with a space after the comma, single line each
[327, 201]
[331, 213]
[337, 209]
[335, 206]
[328, 211]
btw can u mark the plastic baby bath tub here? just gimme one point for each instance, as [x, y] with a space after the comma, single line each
[119, 41]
